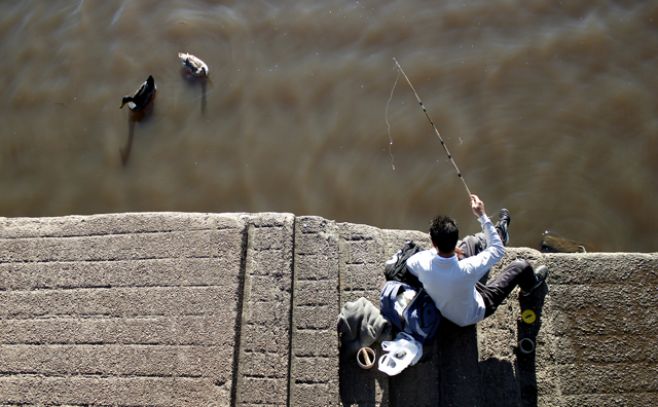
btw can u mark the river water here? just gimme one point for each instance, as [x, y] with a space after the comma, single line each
[550, 108]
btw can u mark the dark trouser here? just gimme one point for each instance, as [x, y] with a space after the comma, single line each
[494, 292]
[472, 245]
[519, 272]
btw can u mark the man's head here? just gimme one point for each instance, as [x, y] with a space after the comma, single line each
[444, 234]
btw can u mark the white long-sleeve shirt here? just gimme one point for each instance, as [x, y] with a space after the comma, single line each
[451, 282]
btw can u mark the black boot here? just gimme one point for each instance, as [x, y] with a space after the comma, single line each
[502, 226]
[541, 274]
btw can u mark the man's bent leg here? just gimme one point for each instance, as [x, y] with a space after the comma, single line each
[519, 272]
[472, 244]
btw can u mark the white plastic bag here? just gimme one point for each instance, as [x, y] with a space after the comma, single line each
[398, 354]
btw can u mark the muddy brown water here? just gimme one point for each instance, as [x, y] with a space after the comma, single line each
[549, 108]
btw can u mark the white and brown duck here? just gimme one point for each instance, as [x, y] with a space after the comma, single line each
[193, 65]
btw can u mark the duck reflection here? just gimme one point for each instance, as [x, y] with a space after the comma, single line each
[201, 82]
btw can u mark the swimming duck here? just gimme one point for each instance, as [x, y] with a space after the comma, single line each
[193, 65]
[142, 97]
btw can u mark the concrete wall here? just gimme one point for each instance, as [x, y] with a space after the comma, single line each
[173, 309]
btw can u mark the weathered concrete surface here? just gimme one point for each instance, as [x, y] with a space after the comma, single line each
[174, 309]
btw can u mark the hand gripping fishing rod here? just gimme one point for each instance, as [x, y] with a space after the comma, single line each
[445, 147]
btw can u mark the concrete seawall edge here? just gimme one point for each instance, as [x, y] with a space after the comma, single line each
[219, 309]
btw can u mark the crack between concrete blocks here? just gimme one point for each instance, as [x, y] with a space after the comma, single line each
[237, 339]
[291, 320]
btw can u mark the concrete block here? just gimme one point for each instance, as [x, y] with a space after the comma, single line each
[603, 268]
[362, 251]
[612, 378]
[263, 390]
[610, 298]
[268, 313]
[316, 266]
[191, 330]
[264, 323]
[316, 342]
[316, 317]
[158, 245]
[316, 243]
[589, 310]
[240, 309]
[267, 338]
[114, 302]
[270, 262]
[367, 277]
[316, 292]
[605, 349]
[268, 288]
[121, 223]
[117, 360]
[314, 394]
[266, 364]
[606, 400]
[314, 369]
[119, 309]
[75, 390]
[314, 362]
[120, 273]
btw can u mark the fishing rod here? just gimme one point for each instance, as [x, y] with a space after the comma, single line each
[445, 147]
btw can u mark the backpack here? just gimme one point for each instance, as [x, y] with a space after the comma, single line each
[396, 267]
[414, 313]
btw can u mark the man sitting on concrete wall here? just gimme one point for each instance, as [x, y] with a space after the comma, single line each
[454, 284]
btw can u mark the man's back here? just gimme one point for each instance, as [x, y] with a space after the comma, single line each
[451, 283]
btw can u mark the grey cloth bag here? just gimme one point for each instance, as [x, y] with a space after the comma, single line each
[361, 324]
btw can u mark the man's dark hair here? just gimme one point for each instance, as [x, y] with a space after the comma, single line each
[444, 233]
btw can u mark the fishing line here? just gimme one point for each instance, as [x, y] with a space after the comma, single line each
[388, 125]
[445, 147]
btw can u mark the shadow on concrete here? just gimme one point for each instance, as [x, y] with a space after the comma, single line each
[526, 361]
[447, 375]
[359, 387]
[499, 385]
[418, 385]
[508, 383]
[450, 373]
